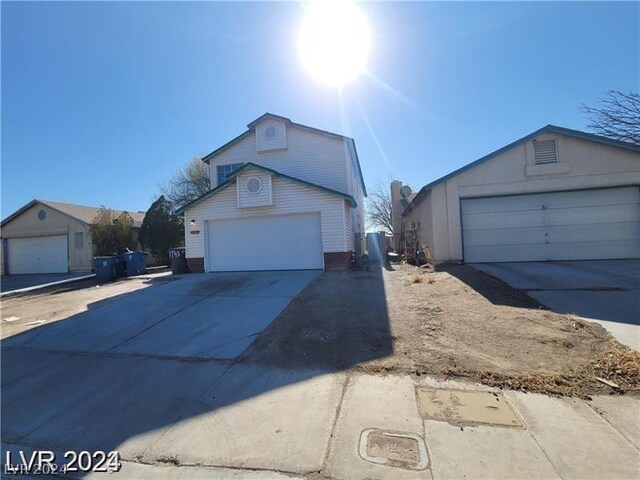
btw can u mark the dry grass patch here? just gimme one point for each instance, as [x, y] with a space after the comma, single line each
[458, 322]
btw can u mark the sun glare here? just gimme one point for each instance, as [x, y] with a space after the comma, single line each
[334, 41]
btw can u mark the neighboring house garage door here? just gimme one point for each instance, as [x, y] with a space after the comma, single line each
[282, 242]
[577, 225]
[38, 254]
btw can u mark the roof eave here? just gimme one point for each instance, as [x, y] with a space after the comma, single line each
[251, 128]
[249, 165]
[19, 212]
[547, 128]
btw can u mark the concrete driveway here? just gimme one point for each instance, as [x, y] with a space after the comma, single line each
[121, 373]
[607, 291]
[154, 374]
[197, 316]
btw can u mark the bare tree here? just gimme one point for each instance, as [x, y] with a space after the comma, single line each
[618, 117]
[188, 183]
[379, 208]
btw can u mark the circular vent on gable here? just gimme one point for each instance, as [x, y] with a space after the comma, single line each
[253, 185]
[270, 132]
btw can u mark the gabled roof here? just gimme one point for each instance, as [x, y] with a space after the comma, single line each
[547, 129]
[247, 166]
[81, 213]
[252, 127]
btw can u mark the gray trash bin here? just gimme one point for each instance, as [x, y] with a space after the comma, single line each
[105, 268]
[178, 259]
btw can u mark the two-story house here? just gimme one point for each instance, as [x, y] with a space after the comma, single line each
[284, 196]
[555, 194]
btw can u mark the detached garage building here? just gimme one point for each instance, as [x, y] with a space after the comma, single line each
[556, 194]
[50, 237]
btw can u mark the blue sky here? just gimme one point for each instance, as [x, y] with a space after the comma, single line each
[101, 102]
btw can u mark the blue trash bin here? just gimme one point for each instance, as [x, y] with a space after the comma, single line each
[105, 268]
[121, 270]
[136, 263]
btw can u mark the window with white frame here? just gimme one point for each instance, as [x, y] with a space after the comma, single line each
[225, 170]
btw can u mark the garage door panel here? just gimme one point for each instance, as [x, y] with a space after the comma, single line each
[491, 205]
[512, 253]
[46, 254]
[486, 221]
[580, 225]
[276, 242]
[576, 234]
[505, 236]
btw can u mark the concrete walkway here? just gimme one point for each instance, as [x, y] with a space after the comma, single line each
[607, 291]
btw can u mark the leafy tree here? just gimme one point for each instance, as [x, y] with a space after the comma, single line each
[111, 234]
[618, 117]
[188, 183]
[161, 229]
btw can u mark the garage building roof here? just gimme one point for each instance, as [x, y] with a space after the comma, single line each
[547, 129]
[79, 212]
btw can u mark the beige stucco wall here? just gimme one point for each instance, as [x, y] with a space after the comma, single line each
[29, 225]
[422, 218]
[581, 164]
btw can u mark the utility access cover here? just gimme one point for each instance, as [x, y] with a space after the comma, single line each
[464, 407]
[394, 449]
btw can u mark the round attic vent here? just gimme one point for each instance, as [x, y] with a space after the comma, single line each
[253, 185]
[42, 214]
[270, 132]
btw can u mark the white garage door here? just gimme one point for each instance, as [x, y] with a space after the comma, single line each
[578, 225]
[283, 242]
[38, 254]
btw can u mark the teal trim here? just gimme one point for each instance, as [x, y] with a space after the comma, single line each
[249, 165]
[547, 129]
[355, 152]
[230, 143]
[251, 127]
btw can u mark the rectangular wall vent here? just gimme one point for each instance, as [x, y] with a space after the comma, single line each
[545, 151]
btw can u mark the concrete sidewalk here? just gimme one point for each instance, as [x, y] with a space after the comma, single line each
[171, 419]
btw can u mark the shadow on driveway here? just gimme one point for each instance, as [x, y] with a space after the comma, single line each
[154, 373]
[606, 291]
[492, 288]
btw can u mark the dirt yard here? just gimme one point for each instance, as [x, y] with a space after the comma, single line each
[457, 322]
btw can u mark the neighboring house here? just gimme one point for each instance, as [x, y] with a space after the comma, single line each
[556, 194]
[51, 237]
[285, 196]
